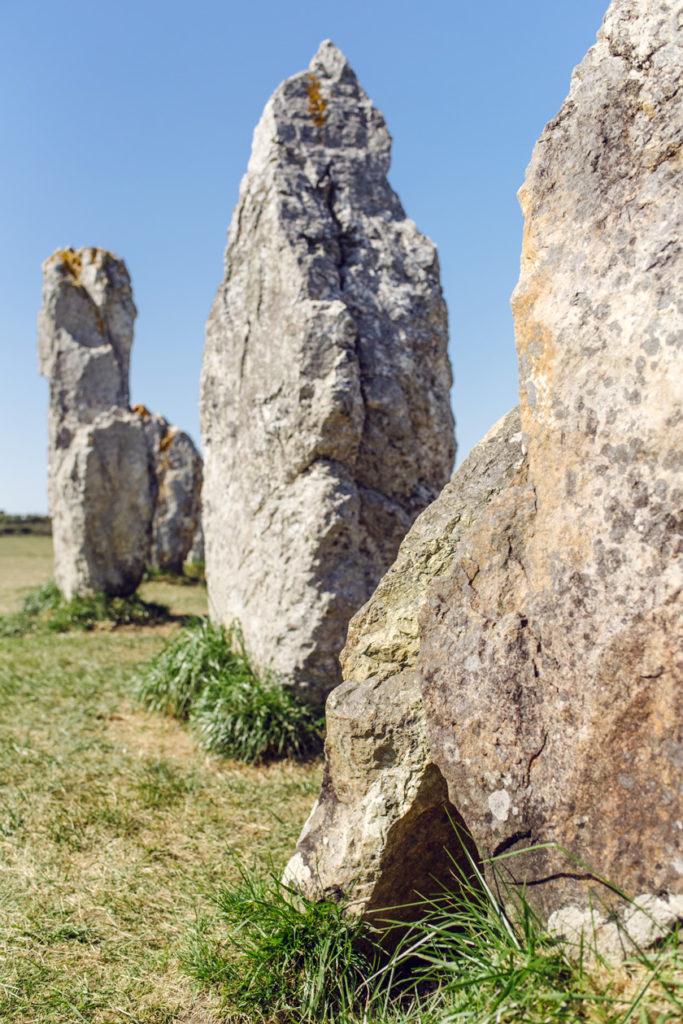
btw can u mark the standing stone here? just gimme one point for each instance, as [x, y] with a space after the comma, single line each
[178, 480]
[324, 403]
[100, 485]
[562, 661]
[549, 656]
[382, 828]
[123, 484]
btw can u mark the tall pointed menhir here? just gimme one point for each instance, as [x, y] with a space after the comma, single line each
[324, 402]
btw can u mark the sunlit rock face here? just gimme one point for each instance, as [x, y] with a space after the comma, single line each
[383, 829]
[547, 653]
[324, 404]
[177, 470]
[124, 484]
[101, 487]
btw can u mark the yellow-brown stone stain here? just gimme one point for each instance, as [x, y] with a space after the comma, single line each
[317, 104]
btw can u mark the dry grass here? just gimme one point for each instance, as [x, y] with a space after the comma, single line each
[113, 825]
[115, 831]
[25, 563]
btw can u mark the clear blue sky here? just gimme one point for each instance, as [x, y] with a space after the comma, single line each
[128, 126]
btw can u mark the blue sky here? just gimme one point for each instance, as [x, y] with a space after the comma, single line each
[128, 126]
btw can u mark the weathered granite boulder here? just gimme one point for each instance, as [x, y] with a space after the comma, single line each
[382, 828]
[101, 488]
[324, 402]
[550, 664]
[178, 481]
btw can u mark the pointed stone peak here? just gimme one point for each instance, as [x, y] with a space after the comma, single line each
[324, 405]
[329, 61]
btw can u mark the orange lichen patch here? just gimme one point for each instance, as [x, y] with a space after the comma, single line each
[317, 104]
[167, 440]
[141, 410]
[70, 259]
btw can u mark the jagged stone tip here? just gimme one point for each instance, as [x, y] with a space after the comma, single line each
[329, 60]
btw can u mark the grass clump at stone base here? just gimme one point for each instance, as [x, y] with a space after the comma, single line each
[276, 956]
[480, 964]
[204, 675]
[45, 609]
[289, 958]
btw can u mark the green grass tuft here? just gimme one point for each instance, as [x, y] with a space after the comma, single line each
[478, 964]
[47, 610]
[204, 675]
[464, 961]
[289, 958]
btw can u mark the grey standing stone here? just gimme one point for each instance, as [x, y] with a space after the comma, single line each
[123, 484]
[548, 652]
[99, 479]
[324, 404]
[196, 553]
[178, 482]
[102, 507]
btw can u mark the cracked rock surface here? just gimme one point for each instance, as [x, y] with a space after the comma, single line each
[177, 471]
[100, 484]
[123, 484]
[381, 830]
[546, 663]
[324, 404]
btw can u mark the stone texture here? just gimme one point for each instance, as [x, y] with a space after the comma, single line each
[178, 481]
[550, 660]
[196, 552]
[324, 401]
[99, 480]
[102, 507]
[85, 334]
[123, 484]
[380, 828]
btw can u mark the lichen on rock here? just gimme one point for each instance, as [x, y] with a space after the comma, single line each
[99, 481]
[325, 409]
[115, 503]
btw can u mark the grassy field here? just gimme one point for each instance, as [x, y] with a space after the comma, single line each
[114, 827]
[139, 875]
[25, 563]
